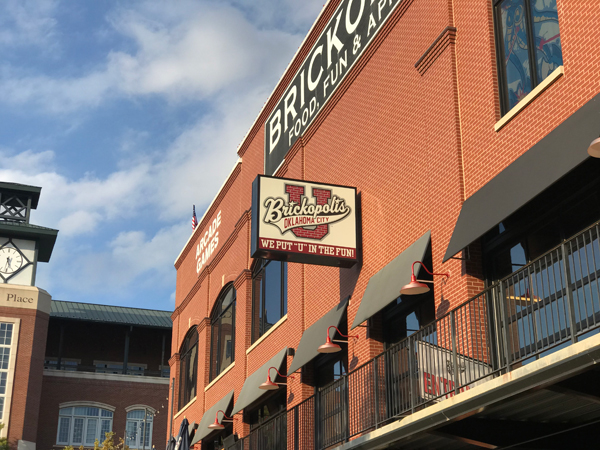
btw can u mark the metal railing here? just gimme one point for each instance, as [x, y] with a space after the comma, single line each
[550, 302]
[119, 371]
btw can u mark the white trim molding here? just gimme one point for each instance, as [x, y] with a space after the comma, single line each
[558, 72]
[86, 403]
[184, 408]
[140, 406]
[264, 336]
[218, 377]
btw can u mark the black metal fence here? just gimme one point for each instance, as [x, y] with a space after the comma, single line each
[549, 303]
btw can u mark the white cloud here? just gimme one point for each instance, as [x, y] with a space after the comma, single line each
[130, 264]
[183, 51]
[27, 161]
[27, 22]
[224, 58]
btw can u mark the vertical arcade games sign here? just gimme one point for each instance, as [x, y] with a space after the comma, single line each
[301, 221]
[350, 30]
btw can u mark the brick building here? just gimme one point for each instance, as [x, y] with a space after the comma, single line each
[464, 127]
[69, 372]
[105, 369]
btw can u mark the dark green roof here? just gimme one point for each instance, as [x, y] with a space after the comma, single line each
[111, 314]
[46, 237]
[22, 189]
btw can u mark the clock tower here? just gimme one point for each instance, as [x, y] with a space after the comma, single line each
[24, 313]
[22, 245]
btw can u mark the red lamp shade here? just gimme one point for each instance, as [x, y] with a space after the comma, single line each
[328, 346]
[269, 385]
[414, 287]
[594, 148]
[216, 425]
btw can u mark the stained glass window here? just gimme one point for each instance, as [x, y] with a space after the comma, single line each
[546, 36]
[529, 46]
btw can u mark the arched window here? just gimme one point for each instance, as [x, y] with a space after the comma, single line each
[138, 429]
[188, 367]
[222, 323]
[82, 425]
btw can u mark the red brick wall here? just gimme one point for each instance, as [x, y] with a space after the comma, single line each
[120, 394]
[412, 127]
[27, 385]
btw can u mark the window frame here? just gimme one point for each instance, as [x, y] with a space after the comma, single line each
[260, 268]
[186, 350]
[86, 418]
[217, 316]
[500, 54]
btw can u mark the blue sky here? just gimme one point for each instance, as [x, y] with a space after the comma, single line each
[126, 114]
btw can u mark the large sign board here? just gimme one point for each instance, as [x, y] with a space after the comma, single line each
[302, 221]
[350, 30]
[436, 371]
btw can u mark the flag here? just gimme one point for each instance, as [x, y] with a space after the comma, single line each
[194, 218]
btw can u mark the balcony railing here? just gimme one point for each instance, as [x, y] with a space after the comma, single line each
[74, 367]
[547, 304]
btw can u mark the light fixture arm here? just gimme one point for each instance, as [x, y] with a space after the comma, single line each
[278, 373]
[446, 274]
[342, 334]
[229, 419]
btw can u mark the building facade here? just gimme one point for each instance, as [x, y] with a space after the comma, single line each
[464, 127]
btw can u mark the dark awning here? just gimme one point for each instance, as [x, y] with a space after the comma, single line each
[563, 149]
[250, 391]
[384, 287]
[209, 417]
[315, 335]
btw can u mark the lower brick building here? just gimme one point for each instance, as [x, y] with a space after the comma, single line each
[105, 369]
[422, 186]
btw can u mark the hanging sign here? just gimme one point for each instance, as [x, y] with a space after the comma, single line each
[301, 221]
[436, 372]
[349, 31]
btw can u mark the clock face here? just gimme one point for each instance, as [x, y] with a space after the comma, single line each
[11, 260]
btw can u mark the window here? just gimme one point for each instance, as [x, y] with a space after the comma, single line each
[138, 430]
[188, 367]
[272, 407]
[82, 425]
[6, 332]
[529, 46]
[117, 367]
[269, 295]
[222, 323]
[51, 363]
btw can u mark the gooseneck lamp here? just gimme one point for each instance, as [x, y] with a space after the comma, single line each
[329, 346]
[216, 425]
[269, 385]
[415, 286]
